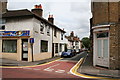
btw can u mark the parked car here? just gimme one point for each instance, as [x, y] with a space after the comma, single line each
[69, 53]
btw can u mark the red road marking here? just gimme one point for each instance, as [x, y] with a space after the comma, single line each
[57, 68]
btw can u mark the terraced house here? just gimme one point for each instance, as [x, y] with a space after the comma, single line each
[28, 36]
[105, 27]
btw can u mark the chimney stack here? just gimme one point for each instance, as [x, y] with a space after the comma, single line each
[72, 34]
[51, 19]
[38, 10]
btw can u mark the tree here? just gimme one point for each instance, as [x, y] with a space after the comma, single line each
[85, 42]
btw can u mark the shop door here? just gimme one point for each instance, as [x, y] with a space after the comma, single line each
[103, 52]
[25, 49]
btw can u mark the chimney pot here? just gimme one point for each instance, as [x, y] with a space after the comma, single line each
[38, 10]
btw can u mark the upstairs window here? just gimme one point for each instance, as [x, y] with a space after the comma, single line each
[48, 30]
[62, 35]
[55, 32]
[42, 28]
[2, 24]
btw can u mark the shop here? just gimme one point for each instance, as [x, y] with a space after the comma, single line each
[15, 45]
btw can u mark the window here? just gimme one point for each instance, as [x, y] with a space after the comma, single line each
[44, 46]
[48, 30]
[9, 46]
[62, 36]
[42, 27]
[2, 24]
[56, 48]
[102, 35]
[55, 32]
[60, 47]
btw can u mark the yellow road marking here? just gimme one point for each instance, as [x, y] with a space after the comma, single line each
[75, 68]
[30, 66]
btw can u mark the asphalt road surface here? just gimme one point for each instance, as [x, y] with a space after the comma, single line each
[56, 70]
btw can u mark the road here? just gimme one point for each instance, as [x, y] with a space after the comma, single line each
[56, 69]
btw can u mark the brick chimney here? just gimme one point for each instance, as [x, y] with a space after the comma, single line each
[51, 19]
[72, 34]
[38, 10]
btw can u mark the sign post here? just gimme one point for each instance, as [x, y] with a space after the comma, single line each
[31, 42]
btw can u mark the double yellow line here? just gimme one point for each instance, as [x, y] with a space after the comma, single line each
[75, 68]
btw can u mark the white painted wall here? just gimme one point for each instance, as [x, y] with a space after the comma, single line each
[38, 37]
[17, 24]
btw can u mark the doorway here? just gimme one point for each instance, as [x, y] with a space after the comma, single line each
[25, 49]
[102, 47]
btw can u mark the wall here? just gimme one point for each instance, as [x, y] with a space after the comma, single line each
[115, 46]
[100, 13]
[38, 37]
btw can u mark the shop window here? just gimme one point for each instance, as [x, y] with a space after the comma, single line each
[48, 30]
[44, 46]
[9, 46]
[102, 35]
[42, 27]
[56, 48]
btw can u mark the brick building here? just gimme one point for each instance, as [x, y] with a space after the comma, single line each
[105, 31]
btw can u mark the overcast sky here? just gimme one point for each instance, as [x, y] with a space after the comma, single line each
[72, 15]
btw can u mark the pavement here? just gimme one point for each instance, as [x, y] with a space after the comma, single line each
[8, 62]
[87, 68]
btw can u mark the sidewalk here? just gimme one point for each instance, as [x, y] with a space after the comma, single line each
[88, 69]
[8, 62]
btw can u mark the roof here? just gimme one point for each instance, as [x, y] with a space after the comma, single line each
[72, 38]
[26, 12]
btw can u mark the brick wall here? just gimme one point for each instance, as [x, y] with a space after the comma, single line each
[114, 46]
[103, 13]
[100, 12]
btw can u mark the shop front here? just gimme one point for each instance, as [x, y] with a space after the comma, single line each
[15, 45]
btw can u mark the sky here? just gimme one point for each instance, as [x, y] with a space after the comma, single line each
[72, 15]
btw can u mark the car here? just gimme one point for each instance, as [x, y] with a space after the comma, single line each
[69, 53]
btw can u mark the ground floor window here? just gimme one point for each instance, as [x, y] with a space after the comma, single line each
[9, 46]
[44, 46]
[60, 47]
[56, 48]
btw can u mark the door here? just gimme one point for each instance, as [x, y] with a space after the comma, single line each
[52, 49]
[103, 51]
[25, 49]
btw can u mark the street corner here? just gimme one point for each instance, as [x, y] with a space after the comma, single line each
[31, 65]
[76, 73]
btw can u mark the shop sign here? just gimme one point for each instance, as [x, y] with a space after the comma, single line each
[14, 33]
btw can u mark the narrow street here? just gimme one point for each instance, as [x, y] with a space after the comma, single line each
[57, 69]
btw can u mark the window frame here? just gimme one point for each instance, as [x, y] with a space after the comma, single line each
[9, 40]
[41, 45]
[55, 32]
[2, 24]
[48, 30]
[42, 26]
